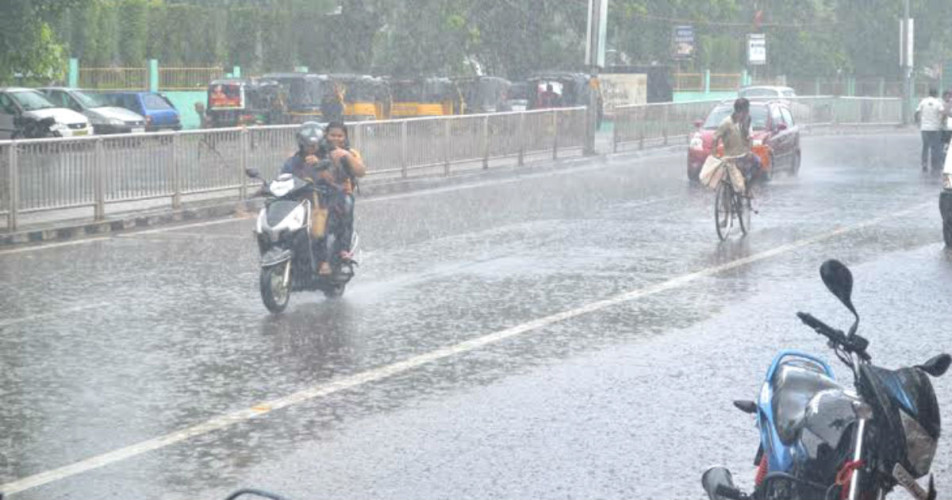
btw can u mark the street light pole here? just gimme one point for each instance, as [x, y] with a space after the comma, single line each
[906, 64]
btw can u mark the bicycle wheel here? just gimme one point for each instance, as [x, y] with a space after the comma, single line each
[742, 209]
[723, 211]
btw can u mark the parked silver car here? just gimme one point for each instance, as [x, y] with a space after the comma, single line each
[105, 118]
[20, 105]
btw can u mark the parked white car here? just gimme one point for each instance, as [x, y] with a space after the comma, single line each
[18, 105]
[105, 118]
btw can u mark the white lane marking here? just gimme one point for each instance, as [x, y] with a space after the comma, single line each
[398, 196]
[53, 245]
[182, 226]
[373, 375]
[68, 310]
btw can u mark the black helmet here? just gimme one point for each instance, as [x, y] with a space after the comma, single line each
[309, 134]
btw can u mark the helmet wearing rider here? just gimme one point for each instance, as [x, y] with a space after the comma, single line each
[309, 136]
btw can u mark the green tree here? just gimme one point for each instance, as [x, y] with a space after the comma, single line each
[133, 31]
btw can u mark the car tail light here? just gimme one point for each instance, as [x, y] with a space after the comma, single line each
[697, 143]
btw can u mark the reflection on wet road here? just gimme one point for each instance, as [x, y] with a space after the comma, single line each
[561, 333]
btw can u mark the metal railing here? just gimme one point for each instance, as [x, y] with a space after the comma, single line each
[726, 81]
[673, 123]
[188, 78]
[114, 78]
[45, 175]
[689, 82]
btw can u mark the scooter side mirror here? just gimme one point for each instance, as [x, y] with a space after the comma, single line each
[839, 281]
[252, 172]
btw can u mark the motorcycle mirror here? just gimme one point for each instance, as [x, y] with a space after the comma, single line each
[717, 481]
[937, 366]
[839, 281]
[252, 172]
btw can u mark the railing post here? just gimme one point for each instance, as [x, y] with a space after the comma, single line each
[664, 124]
[555, 134]
[485, 143]
[446, 146]
[245, 146]
[521, 136]
[404, 158]
[176, 174]
[13, 187]
[615, 123]
[99, 211]
[641, 133]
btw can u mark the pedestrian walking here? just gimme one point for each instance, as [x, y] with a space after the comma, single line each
[930, 116]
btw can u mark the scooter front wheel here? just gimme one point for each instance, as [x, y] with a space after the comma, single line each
[274, 293]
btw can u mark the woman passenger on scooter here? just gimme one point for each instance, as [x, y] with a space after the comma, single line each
[348, 167]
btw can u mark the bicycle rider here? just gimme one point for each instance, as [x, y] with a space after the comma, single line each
[734, 131]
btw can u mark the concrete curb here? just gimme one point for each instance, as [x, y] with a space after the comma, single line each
[120, 223]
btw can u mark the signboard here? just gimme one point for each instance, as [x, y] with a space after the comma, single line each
[622, 89]
[756, 49]
[683, 42]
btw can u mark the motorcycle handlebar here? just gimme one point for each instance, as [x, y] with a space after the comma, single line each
[854, 344]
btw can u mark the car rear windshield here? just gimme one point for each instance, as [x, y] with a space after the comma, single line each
[758, 117]
[31, 100]
[153, 101]
[759, 93]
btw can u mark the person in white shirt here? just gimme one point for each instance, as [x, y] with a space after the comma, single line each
[930, 115]
[947, 129]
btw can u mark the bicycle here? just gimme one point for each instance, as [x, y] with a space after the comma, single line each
[729, 204]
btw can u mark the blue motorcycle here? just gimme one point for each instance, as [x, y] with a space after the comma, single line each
[820, 439]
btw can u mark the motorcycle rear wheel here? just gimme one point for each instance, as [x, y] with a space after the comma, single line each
[273, 292]
[334, 292]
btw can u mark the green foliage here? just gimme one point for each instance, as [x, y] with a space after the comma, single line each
[28, 45]
[505, 37]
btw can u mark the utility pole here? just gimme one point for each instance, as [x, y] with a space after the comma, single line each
[906, 62]
[594, 59]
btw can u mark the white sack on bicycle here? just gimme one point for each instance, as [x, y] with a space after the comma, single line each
[711, 172]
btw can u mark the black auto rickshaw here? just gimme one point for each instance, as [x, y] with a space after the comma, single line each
[365, 97]
[434, 96]
[242, 101]
[484, 94]
[305, 92]
[561, 90]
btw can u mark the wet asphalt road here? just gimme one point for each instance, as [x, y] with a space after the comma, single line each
[114, 342]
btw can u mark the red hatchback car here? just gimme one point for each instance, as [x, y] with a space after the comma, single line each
[775, 137]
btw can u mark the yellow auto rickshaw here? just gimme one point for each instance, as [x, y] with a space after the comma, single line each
[484, 94]
[305, 93]
[432, 96]
[365, 97]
